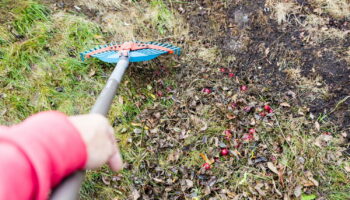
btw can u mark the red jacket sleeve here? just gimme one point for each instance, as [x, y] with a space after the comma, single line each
[37, 154]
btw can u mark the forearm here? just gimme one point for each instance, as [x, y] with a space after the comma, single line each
[46, 148]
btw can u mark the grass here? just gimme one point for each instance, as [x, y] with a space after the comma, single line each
[43, 68]
[26, 17]
[40, 70]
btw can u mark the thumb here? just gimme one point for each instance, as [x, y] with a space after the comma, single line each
[115, 161]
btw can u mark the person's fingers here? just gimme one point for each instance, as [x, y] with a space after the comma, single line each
[115, 161]
[111, 134]
[98, 136]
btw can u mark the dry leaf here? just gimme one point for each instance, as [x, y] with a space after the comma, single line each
[235, 153]
[174, 156]
[308, 183]
[292, 94]
[311, 178]
[260, 191]
[297, 191]
[277, 191]
[205, 158]
[199, 123]
[317, 126]
[158, 180]
[322, 140]
[272, 167]
[231, 194]
[230, 116]
[106, 180]
[177, 129]
[135, 195]
[120, 100]
[189, 183]
[285, 104]
[347, 168]
[344, 134]
[314, 181]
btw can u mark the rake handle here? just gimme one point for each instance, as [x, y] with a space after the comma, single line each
[69, 188]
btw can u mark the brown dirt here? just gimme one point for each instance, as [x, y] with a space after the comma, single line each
[250, 40]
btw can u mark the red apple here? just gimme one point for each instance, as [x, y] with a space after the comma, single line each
[251, 131]
[206, 90]
[159, 93]
[224, 152]
[231, 75]
[273, 158]
[238, 145]
[234, 105]
[169, 89]
[247, 109]
[206, 166]
[228, 133]
[267, 108]
[244, 88]
[262, 114]
[247, 137]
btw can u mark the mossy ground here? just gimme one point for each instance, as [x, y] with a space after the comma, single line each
[40, 70]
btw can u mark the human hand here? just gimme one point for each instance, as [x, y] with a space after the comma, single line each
[98, 136]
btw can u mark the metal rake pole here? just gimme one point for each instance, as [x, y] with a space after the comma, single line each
[69, 188]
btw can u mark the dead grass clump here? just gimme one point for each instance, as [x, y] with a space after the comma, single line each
[282, 10]
[305, 83]
[72, 33]
[146, 21]
[208, 54]
[347, 57]
[316, 27]
[336, 8]
[121, 24]
[101, 5]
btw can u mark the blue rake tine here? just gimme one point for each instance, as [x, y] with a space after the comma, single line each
[136, 55]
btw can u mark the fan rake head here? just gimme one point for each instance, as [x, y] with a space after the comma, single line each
[137, 51]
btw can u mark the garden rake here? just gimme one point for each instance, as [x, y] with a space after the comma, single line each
[121, 54]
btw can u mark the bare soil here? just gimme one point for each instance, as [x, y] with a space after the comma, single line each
[260, 44]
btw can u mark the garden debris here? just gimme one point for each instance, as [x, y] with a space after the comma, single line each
[296, 68]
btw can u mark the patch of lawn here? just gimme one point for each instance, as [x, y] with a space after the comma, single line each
[29, 14]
